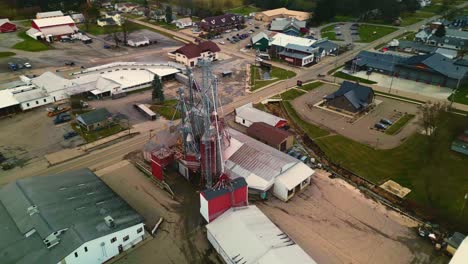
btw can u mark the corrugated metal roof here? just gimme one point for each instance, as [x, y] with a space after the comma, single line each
[53, 21]
[248, 112]
[295, 175]
[7, 99]
[247, 236]
[282, 40]
[42, 15]
[281, 24]
[259, 36]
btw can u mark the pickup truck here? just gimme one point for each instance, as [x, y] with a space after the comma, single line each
[62, 118]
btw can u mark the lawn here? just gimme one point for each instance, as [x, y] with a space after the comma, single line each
[276, 74]
[292, 94]
[243, 10]
[5, 54]
[163, 24]
[311, 86]
[99, 134]
[412, 18]
[311, 130]
[346, 76]
[460, 96]
[399, 124]
[435, 174]
[370, 33]
[29, 44]
[96, 30]
[167, 109]
[328, 32]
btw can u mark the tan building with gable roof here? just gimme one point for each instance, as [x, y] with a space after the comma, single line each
[269, 15]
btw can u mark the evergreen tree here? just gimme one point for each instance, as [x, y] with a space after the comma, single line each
[168, 14]
[440, 31]
[158, 92]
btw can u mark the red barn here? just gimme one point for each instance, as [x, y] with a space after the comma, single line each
[159, 160]
[214, 202]
[6, 26]
[52, 27]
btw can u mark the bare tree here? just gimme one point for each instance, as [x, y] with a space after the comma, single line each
[431, 113]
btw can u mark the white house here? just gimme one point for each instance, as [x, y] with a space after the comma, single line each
[125, 7]
[246, 235]
[246, 115]
[183, 22]
[71, 217]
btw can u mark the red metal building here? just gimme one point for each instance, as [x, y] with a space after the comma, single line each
[6, 26]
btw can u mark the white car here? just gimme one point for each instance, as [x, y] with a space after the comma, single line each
[27, 65]
[222, 42]
[258, 59]
[228, 31]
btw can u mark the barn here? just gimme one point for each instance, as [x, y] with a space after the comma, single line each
[6, 26]
[52, 28]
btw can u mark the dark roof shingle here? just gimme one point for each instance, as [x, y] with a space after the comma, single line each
[266, 133]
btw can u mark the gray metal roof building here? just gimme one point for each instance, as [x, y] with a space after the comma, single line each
[44, 219]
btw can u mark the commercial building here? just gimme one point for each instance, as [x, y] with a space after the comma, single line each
[6, 26]
[221, 23]
[294, 50]
[277, 138]
[260, 41]
[41, 15]
[52, 28]
[245, 235]
[265, 168]
[246, 115]
[350, 97]
[95, 120]
[191, 53]
[269, 15]
[289, 26]
[71, 217]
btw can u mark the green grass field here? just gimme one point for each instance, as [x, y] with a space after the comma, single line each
[99, 134]
[461, 95]
[412, 18]
[310, 86]
[5, 54]
[167, 110]
[399, 124]
[277, 74]
[328, 32]
[292, 94]
[29, 44]
[311, 130]
[369, 33]
[243, 10]
[96, 30]
[346, 76]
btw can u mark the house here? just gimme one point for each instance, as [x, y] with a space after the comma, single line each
[246, 115]
[183, 22]
[6, 26]
[70, 217]
[191, 53]
[461, 255]
[460, 144]
[138, 41]
[221, 23]
[246, 235]
[277, 138]
[260, 41]
[49, 14]
[289, 26]
[326, 46]
[350, 97]
[139, 11]
[294, 50]
[270, 15]
[107, 4]
[114, 15]
[453, 38]
[415, 47]
[102, 22]
[158, 15]
[125, 7]
[265, 168]
[95, 120]
[78, 18]
[52, 28]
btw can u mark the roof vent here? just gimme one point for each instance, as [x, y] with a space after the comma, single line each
[109, 221]
[33, 210]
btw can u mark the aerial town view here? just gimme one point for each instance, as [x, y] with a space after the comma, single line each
[234, 131]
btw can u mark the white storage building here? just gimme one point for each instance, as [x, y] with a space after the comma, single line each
[245, 235]
[246, 115]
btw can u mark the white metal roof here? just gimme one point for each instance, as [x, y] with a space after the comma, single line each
[461, 255]
[282, 40]
[247, 236]
[248, 112]
[4, 20]
[51, 82]
[53, 21]
[49, 14]
[58, 30]
[7, 99]
[30, 95]
[33, 32]
[128, 78]
[295, 175]
[163, 71]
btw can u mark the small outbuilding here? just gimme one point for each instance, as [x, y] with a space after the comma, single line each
[277, 138]
[246, 115]
[95, 120]
[350, 97]
[6, 26]
[260, 41]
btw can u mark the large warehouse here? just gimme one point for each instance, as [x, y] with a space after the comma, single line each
[52, 28]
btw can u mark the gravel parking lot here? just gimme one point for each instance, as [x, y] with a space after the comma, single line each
[361, 130]
[335, 223]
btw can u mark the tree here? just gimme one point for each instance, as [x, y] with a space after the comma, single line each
[411, 5]
[125, 31]
[440, 31]
[90, 13]
[431, 114]
[168, 14]
[324, 11]
[158, 92]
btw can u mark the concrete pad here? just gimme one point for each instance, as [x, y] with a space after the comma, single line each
[395, 188]
[64, 155]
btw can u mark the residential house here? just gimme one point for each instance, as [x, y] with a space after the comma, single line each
[114, 15]
[277, 138]
[183, 22]
[125, 7]
[49, 14]
[139, 11]
[70, 217]
[102, 22]
[78, 18]
[260, 41]
[294, 50]
[459, 22]
[326, 47]
[270, 15]
[191, 53]
[246, 115]
[453, 38]
[289, 26]
[350, 97]
[246, 235]
[158, 15]
[6, 26]
[221, 23]
[95, 120]
[52, 28]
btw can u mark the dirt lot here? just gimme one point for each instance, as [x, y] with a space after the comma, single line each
[32, 134]
[334, 223]
[361, 130]
[181, 238]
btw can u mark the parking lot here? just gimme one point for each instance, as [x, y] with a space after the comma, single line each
[361, 130]
[335, 223]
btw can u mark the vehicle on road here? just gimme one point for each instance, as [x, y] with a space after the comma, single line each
[222, 42]
[385, 121]
[321, 75]
[228, 31]
[380, 126]
[70, 63]
[62, 118]
[13, 66]
[27, 65]
[69, 135]
[257, 27]
[106, 46]
[258, 59]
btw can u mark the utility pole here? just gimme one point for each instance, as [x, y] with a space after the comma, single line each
[463, 206]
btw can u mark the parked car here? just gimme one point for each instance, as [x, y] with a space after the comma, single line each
[257, 27]
[258, 59]
[27, 65]
[228, 31]
[70, 63]
[380, 126]
[320, 75]
[106, 46]
[13, 66]
[222, 42]
[62, 118]
[69, 135]
[386, 121]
